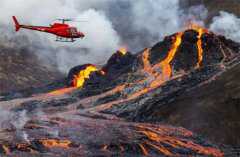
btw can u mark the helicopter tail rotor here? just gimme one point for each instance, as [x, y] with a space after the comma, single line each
[17, 25]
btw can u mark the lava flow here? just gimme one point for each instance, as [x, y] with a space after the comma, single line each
[200, 31]
[83, 75]
[164, 66]
[163, 71]
[61, 91]
[156, 140]
[123, 51]
[153, 71]
[53, 143]
[78, 80]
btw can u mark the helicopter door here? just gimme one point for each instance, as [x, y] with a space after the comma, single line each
[73, 31]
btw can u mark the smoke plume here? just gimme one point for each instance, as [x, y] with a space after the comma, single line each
[228, 25]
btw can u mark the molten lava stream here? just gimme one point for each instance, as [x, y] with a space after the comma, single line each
[159, 77]
[164, 66]
[61, 91]
[83, 75]
[77, 82]
[156, 139]
[144, 150]
[200, 31]
[54, 143]
[200, 50]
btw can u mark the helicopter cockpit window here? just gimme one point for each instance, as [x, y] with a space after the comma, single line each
[73, 31]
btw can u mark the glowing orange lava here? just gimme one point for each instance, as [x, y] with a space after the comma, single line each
[78, 81]
[200, 31]
[147, 67]
[167, 70]
[144, 150]
[156, 141]
[53, 143]
[164, 66]
[200, 50]
[159, 77]
[81, 77]
[25, 147]
[61, 91]
[123, 51]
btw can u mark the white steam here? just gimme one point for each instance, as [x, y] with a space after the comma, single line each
[100, 42]
[195, 14]
[101, 39]
[17, 119]
[228, 25]
[157, 17]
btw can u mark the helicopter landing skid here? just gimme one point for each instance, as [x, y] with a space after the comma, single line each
[60, 39]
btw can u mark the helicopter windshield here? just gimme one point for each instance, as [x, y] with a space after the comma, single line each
[73, 31]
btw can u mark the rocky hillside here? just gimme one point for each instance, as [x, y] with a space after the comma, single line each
[20, 69]
[211, 110]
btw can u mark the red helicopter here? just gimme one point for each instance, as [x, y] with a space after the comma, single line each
[63, 31]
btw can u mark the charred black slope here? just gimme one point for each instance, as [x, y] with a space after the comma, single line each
[211, 110]
[167, 101]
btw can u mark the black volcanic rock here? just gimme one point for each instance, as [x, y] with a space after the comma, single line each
[187, 54]
[118, 64]
[186, 57]
[115, 72]
[158, 105]
[211, 110]
[126, 69]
